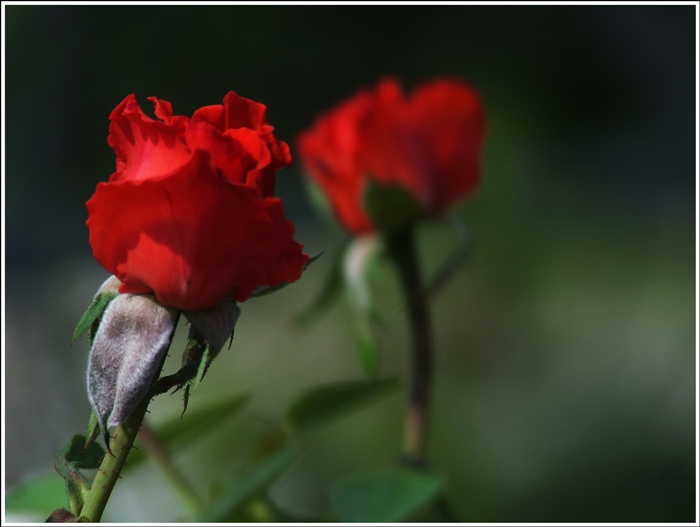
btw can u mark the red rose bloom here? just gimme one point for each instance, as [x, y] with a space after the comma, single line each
[189, 214]
[427, 144]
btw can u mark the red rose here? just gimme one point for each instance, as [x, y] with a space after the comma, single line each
[189, 214]
[427, 144]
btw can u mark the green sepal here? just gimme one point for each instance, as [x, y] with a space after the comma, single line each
[77, 486]
[394, 495]
[192, 384]
[391, 207]
[93, 429]
[93, 314]
[81, 456]
[196, 355]
[203, 368]
[195, 362]
[331, 401]
[263, 291]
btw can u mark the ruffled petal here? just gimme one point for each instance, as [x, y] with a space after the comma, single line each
[243, 113]
[145, 149]
[163, 109]
[227, 153]
[192, 238]
[214, 115]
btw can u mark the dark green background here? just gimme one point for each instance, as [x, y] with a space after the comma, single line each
[565, 376]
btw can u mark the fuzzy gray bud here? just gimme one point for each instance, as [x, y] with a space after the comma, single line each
[129, 345]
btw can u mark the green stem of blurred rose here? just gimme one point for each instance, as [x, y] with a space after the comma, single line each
[402, 248]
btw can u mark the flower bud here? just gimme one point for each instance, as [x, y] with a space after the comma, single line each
[129, 346]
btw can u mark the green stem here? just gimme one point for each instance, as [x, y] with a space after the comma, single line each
[150, 441]
[402, 248]
[112, 464]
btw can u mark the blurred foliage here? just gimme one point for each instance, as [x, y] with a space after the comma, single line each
[565, 348]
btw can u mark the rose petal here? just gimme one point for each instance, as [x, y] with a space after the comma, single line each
[329, 153]
[145, 149]
[163, 109]
[192, 238]
[449, 121]
[243, 113]
[227, 153]
[390, 150]
[214, 115]
[428, 144]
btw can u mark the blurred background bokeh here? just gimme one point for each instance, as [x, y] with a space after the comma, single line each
[565, 348]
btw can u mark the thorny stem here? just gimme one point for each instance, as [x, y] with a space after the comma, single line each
[150, 441]
[402, 248]
[112, 464]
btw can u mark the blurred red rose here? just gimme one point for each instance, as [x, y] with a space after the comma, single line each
[427, 144]
[189, 214]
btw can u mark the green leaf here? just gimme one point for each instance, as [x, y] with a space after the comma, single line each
[179, 432]
[77, 486]
[319, 200]
[356, 260]
[93, 429]
[368, 353]
[255, 481]
[93, 313]
[331, 290]
[330, 401]
[40, 495]
[79, 456]
[359, 258]
[390, 496]
[391, 208]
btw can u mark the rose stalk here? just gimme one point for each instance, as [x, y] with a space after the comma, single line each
[187, 225]
[385, 161]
